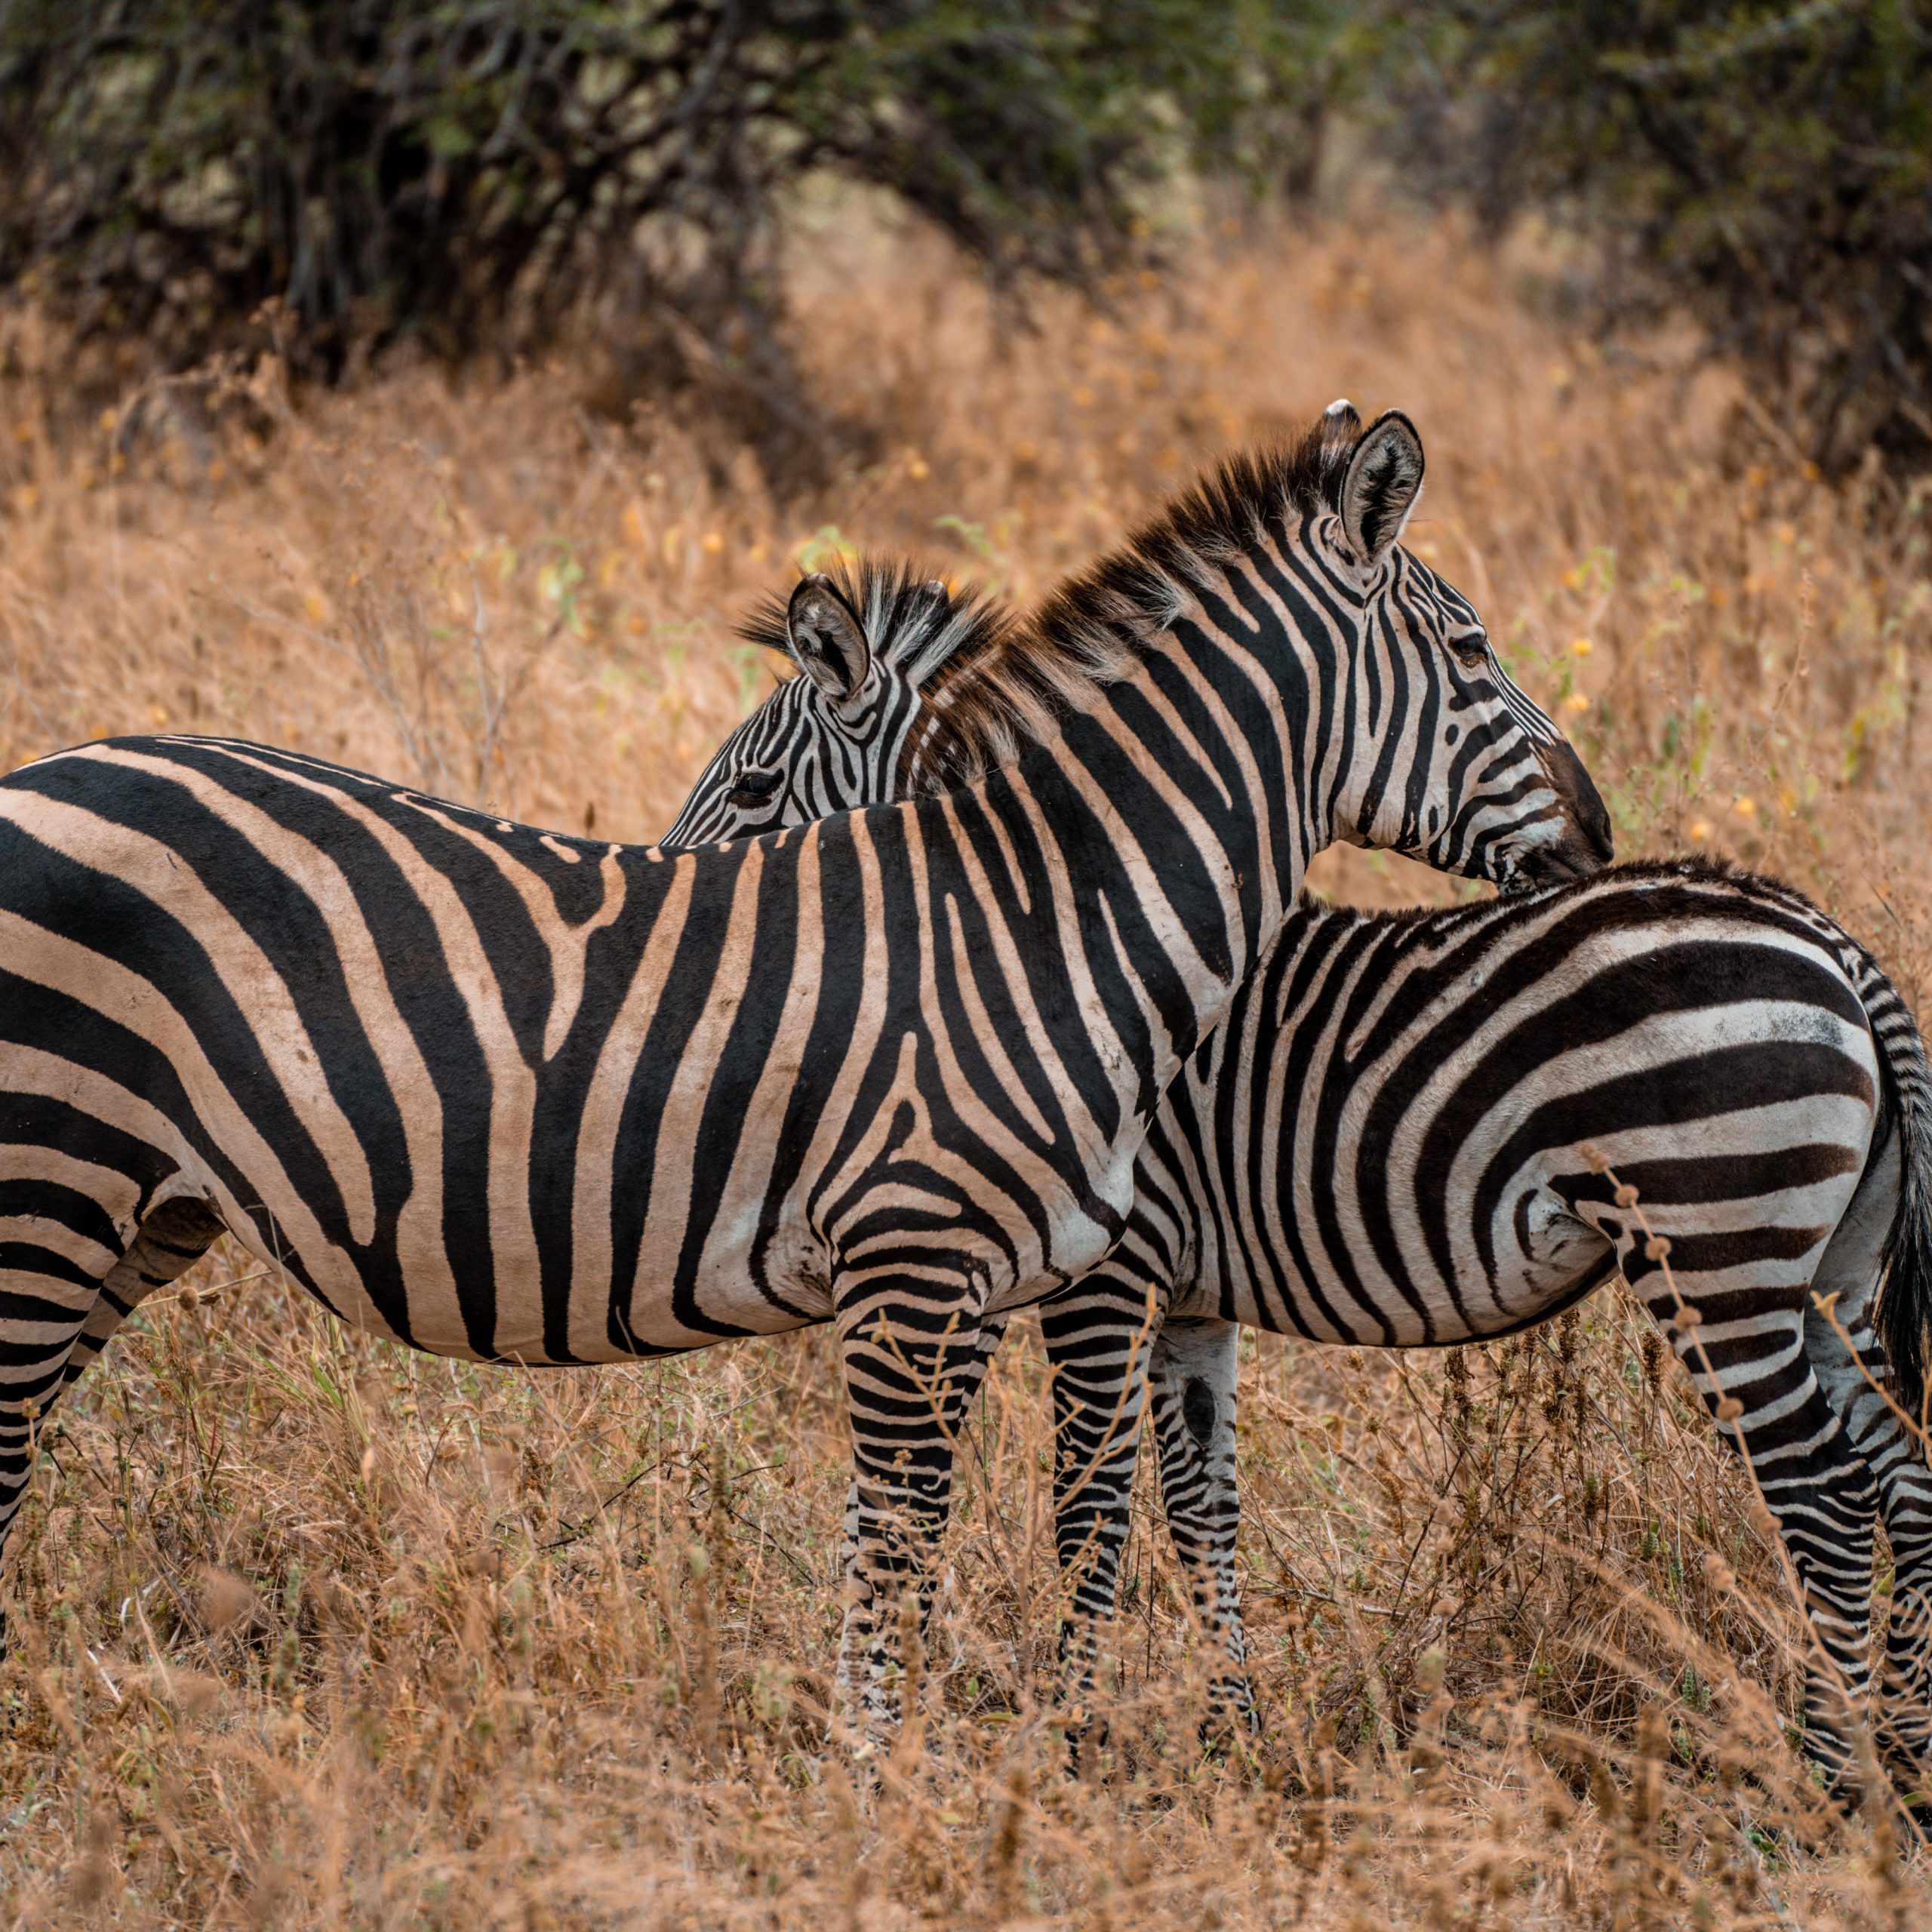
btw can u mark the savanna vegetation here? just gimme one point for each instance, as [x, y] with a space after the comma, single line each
[308, 1631]
[312, 1632]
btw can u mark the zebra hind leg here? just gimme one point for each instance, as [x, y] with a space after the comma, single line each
[1849, 1359]
[1819, 1491]
[1193, 1379]
[54, 1321]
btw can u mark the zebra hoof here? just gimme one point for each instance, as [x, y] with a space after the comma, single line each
[1233, 1721]
[1085, 1738]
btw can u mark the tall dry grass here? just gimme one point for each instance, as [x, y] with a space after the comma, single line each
[312, 1632]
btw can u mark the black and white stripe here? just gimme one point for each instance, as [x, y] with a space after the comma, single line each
[1382, 1144]
[507, 1094]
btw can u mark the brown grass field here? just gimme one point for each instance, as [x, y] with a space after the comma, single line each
[312, 1631]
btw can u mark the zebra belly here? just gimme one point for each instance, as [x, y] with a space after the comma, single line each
[1563, 1260]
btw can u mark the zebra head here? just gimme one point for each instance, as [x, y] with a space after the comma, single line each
[833, 738]
[1457, 768]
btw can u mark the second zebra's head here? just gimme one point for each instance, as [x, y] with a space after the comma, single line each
[836, 737]
[1468, 775]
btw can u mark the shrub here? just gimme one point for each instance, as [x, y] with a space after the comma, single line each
[1771, 165]
[469, 173]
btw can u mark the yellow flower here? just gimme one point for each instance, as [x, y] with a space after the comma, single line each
[1701, 829]
[714, 542]
[1744, 808]
[1577, 704]
[1581, 646]
[919, 470]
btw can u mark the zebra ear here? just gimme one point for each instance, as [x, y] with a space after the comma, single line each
[1383, 480]
[1341, 423]
[826, 638]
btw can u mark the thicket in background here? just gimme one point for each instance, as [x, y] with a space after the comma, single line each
[469, 176]
[1769, 166]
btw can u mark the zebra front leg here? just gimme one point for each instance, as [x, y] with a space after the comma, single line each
[1193, 1377]
[963, 1384]
[1098, 1339]
[911, 1349]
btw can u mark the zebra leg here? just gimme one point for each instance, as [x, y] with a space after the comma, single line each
[1097, 1337]
[1193, 1375]
[54, 1320]
[1818, 1489]
[1905, 1503]
[1851, 1271]
[906, 1357]
[964, 1383]
[174, 1236]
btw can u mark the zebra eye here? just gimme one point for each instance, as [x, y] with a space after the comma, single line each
[1471, 648]
[754, 788]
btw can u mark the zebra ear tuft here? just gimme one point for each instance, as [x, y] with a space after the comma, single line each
[1383, 480]
[826, 638]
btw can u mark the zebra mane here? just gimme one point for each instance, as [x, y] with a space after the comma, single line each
[905, 626]
[986, 704]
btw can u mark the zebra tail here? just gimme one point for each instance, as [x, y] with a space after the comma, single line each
[1905, 1304]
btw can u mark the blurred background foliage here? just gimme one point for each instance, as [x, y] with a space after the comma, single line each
[1769, 167]
[472, 173]
[478, 176]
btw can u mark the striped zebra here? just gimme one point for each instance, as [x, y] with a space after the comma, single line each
[1381, 1146]
[501, 1094]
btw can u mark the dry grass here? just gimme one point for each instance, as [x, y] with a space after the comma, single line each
[314, 1632]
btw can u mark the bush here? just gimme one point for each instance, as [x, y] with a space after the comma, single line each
[469, 173]
[1771, 165]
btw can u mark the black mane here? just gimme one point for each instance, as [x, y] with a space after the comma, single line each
[988, 705]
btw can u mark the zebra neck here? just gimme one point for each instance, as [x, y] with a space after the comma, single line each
[1171, 836]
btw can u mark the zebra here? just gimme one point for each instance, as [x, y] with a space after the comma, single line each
[503, 1093]
[1381, 1146]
